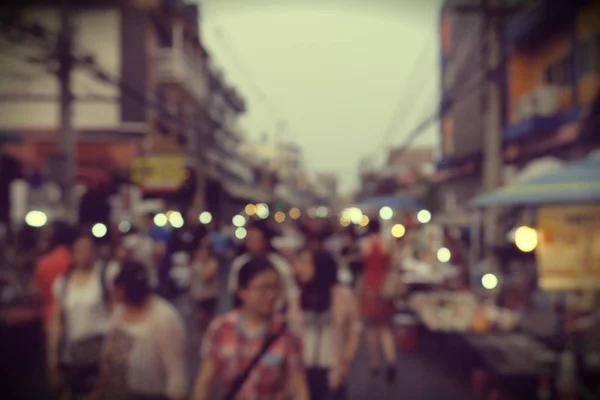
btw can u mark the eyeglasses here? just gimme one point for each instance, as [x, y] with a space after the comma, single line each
[266, 288]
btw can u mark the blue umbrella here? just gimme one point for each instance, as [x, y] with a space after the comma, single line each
[576, 183]
[394, 202]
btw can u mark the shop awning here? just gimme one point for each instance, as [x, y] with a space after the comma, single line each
[395, 202]
[576, 183]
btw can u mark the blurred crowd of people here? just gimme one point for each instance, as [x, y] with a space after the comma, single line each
[293, 305]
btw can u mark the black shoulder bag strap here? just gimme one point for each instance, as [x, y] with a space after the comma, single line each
[241, 379]
[104, 284]
[62, 341]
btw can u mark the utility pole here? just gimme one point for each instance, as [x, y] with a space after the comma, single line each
[493, 17]
[492, 139]
[67, 142]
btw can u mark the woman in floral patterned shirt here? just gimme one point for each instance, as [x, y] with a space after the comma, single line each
[233, 340]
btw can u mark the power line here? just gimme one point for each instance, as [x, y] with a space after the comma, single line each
[88, 62]
[275, 113]
[433, 118]
[406, 100]
[245, 71]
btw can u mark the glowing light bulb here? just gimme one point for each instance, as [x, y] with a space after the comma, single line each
[99, 230]
[240, 233]
[444, 255]
[250, 209]
[205, 217]
[355, 215]
[364, 221]
[176, 219]
[160, 220]
[262, 211]
[386, 213]
[526, 239]
[295, 213]
[398, 230]
[423, 216]
[489, 281]
[239, 221]
[279, 217]
[36, 219]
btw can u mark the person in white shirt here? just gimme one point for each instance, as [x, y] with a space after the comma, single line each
[144, 355]
[79, 321]
[258, 243]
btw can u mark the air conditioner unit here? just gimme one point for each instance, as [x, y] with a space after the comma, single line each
[546, 100]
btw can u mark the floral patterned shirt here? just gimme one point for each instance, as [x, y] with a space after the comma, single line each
[233, 349]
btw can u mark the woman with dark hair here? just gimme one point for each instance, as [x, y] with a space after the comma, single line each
[254, 329]
[377, 311]
[144, 354]
[79, 320]
[331, 325]
[350, 255]
[258, 244]
[118, 255]
[52, 265]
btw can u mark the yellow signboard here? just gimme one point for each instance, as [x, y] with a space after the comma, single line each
[568, 253]
[159, 172]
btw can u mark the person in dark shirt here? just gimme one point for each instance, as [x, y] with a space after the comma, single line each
[189, 237]
[351, 256]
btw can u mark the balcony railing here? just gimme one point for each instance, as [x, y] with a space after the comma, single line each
[538, 124]
[174, 66]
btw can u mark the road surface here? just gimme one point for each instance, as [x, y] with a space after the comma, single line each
[417, 378]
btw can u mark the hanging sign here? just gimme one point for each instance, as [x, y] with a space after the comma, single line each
[568, 252]
[159, 172]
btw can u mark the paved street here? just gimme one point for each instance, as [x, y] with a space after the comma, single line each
[417, 378]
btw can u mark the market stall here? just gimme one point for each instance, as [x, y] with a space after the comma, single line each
[561, 230]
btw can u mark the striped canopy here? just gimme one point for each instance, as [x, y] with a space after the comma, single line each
[576, 183]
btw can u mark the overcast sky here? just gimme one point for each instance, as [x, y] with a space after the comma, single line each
[337, 72]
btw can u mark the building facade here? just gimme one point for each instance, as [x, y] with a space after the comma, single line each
[139, 89]
[548, 78]
[458, 176]
[553, 77]
[233, 181]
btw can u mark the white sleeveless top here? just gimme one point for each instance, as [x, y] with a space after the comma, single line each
[86, 315]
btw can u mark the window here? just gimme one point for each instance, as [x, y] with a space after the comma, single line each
[448, 137]
[559, 72]
[446, 33]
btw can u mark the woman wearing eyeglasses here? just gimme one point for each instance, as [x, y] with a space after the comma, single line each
[254, 330]
[331, 324]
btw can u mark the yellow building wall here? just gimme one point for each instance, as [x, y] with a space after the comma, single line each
[522, 81]
[526, 70]
[588, 88]
[587, 27]
[526, 73]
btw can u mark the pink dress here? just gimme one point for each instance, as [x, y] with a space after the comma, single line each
[374, 308]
